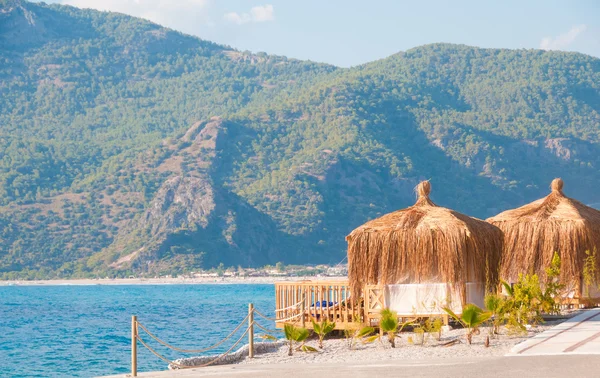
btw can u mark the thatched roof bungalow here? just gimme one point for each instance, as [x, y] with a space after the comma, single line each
[422, 253]
[556, 223]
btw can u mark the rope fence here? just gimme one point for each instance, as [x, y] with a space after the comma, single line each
[179, 366]
[295, 305]
[251, 322]
[268, 332]
[160, 341]
[277, 320]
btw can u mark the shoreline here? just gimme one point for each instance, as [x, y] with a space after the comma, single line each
[167, 281]
[338, 353]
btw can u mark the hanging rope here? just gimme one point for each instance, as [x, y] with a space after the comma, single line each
[160, 341]
[340, 263]
[155, 352]
[218, 358]
[224, 354]
[268, 331]
[264, 316]
[289, 307]
[290, 318]
[275, 319]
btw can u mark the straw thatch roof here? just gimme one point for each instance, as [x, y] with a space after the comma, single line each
[424, 243]
[556, 223]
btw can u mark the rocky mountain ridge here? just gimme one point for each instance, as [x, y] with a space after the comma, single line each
[129, 148]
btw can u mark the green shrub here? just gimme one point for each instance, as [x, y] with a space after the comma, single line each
[322, 329]
[472, 318]
[590, 271]
[297, 335]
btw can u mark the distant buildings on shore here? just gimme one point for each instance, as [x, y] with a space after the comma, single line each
[274, 271]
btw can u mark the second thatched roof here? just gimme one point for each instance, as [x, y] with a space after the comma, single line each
[556, 223]
[424, 243]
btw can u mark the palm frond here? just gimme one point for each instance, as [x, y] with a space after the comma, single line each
[307, 348]
[449, 311]
[365, 331]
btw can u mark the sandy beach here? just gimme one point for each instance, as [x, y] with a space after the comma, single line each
[165, 281]
[337, 350]
[408, 347]
[431, 359]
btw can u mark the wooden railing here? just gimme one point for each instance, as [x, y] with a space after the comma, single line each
[375, 301]
[301, 302]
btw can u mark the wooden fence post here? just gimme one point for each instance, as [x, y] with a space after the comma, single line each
[250, 330]
[303, 310]
[134, 333]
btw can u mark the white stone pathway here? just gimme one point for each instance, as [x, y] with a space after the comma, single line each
[578, 335]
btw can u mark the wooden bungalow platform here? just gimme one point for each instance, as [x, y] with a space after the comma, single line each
[301, 302]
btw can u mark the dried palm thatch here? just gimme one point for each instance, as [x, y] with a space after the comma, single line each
[556, 223]
[424, 243]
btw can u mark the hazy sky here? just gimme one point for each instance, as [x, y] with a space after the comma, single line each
[352, 32]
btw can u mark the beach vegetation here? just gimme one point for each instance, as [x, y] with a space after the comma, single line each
[590, 272]
[296, 337]
[390, 326]
[363, 334]
[524, 302]
[426, 328]
[471, 319]
[553, 289]
[268, 337]
[498, 305]
[366, 334]
[420, 335]
[322, 329]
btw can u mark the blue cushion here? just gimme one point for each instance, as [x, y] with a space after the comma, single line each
[323, 304]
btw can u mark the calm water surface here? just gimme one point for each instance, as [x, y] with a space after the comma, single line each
[63, 331]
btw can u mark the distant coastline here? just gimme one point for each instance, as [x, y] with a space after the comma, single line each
[165, 281]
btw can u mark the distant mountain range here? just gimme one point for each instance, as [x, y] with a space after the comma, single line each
[126, 147]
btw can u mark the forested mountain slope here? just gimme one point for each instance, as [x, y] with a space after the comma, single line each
[126, 146]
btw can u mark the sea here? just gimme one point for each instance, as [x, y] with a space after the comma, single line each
[85, 331]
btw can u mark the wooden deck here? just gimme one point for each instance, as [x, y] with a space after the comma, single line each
[301, 302]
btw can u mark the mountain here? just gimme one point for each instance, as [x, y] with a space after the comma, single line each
[129, 147]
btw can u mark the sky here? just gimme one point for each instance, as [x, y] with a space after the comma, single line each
[352, 32]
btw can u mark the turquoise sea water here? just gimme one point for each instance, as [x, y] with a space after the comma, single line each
[65, 331]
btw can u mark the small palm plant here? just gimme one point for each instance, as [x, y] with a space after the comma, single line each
[389, 325]
[366, 335]
[424, 328]
[498, 306]
[323, 329]
[297, 335]
[472, 318]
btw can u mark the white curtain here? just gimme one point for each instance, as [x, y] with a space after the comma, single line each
[430, 298]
